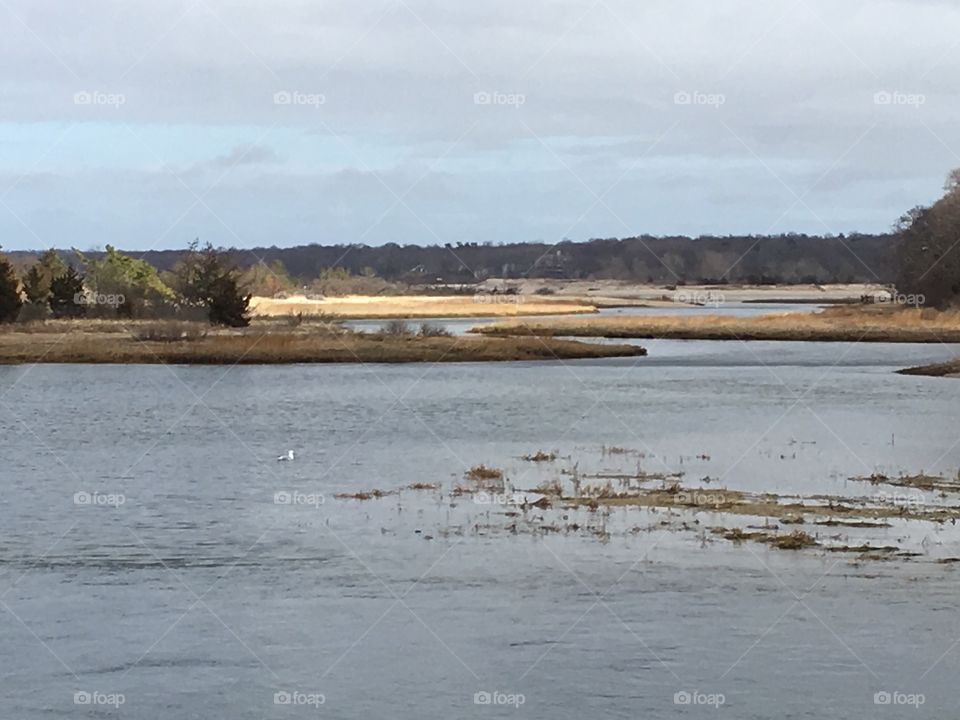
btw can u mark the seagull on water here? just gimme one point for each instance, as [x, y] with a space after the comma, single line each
[286, 458]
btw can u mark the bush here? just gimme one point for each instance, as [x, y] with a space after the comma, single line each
[170, 332]
[65, 291]
[397, 327]
[428, 330]
[10, 300]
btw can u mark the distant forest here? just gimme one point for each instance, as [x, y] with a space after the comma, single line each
[790, 258]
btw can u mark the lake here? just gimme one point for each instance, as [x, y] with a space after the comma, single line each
[158, 561]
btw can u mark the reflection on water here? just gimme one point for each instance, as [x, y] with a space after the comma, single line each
[204, 593]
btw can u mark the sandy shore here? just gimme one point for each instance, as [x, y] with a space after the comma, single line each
[613, 293]
[362, 307]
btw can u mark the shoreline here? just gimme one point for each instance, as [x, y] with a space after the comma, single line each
[255, 346]
[949, 369]
[837, 324]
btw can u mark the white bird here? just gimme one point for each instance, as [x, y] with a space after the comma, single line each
[287, 457]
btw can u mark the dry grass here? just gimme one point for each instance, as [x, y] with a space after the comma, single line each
[540, 456]
[423, 486]
[946, 369]
[361, 307]
[363, 495]
[841, 324]
[482, 473]
[269, 343]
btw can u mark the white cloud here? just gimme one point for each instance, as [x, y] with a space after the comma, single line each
[398, 80]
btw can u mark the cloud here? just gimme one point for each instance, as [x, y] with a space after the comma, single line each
[616, 94]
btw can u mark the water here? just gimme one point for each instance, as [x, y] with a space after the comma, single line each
[460, 326]
[201, 597]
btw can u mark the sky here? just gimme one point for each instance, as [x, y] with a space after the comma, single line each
[148, 124]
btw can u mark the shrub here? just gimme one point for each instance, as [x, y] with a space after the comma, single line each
[65, 289]
[397, 327]
[428, 330]
[10, 300]
[170, 332]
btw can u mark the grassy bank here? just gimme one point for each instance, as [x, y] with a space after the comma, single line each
[363, 307]
[946, 369]
[189, 343]
[836, 324]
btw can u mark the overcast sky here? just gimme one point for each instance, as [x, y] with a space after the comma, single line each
[146, 124]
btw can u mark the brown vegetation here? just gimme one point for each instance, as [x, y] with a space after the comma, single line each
[268, 343]
[839, 324]
[951, 368]
[362, 307]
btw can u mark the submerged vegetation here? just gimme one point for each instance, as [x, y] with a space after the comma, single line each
[602, 504]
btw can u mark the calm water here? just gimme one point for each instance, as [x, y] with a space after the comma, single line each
[459, 326]
[201, 596]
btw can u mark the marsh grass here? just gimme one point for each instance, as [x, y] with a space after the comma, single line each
[270, 342]
[835, 324]
[540, 456]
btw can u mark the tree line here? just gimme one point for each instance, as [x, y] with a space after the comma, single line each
[921, 257]
[928, 251]
[202, 284]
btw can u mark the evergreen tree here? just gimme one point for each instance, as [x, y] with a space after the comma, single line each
[34, 287]
[66, 291]
[205, 277]
[928, 249]
[10, 300]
